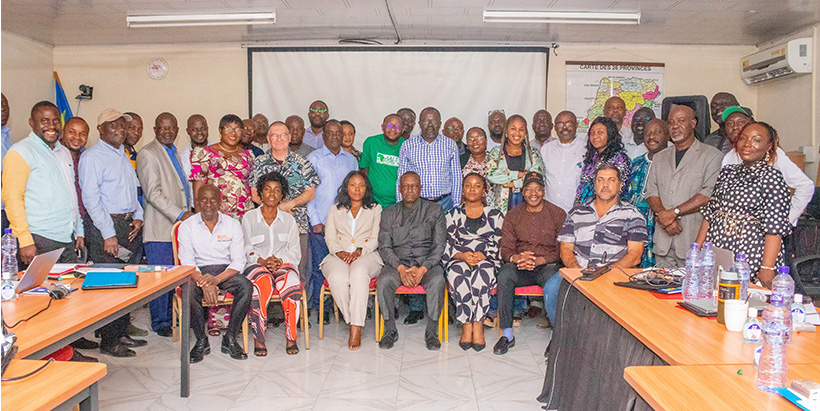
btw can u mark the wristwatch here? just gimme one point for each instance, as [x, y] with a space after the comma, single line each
[677, 212]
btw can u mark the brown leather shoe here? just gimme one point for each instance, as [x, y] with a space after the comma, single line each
[79, 357]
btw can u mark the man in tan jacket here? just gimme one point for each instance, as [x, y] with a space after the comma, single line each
[165, 194]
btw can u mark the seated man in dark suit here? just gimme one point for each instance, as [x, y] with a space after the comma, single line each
[214, 242]
[411, 241]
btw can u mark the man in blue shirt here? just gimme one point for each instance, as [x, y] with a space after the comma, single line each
[109, 186]
[332, 164]
[166, 199]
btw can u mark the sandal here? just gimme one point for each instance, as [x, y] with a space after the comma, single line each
[260, 351]
[291, 348]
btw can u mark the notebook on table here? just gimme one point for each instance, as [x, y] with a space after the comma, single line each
[106, 280]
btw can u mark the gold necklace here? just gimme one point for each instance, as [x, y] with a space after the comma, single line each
[226, 150]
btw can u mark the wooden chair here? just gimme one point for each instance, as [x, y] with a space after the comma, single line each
[325, 291]
[443, 319]
[528, 291]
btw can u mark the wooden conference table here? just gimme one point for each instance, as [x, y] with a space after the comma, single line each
[603, 328]
[84, 311]
[711, 387]
[59, 386]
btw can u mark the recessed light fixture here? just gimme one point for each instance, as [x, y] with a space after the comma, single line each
[560, 17]
[189, 20]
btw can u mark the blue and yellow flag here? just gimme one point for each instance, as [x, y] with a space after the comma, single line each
[62, 101]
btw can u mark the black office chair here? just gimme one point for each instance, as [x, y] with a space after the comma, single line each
[806, 274]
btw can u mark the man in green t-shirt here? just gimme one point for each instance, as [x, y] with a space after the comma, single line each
[380, 159]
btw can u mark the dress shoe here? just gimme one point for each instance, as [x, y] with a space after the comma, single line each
[79, 357]
[85, 344]
[233, 348]
[544, 323]
[503, 345]
[465, 345]
[200, 350]
[413, 317]
[118, 350]
[130, 342]
[431, 340]
[165, 332]
[478, 347]
[136, 331]
[388, 339]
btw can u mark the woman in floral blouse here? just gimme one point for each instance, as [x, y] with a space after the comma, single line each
[604, 145]
[509, 162]
[227, 166]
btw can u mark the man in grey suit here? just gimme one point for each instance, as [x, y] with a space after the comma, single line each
[679, 183]
[412, 236]
[166, 196]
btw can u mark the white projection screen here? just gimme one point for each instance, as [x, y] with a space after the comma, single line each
[364, 84]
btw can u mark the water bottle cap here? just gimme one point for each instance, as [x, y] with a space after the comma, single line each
[741, 257]
[694, 245]
[7, 231]
[783, 270]
[707, 245]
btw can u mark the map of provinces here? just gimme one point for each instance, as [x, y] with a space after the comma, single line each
[636, 93]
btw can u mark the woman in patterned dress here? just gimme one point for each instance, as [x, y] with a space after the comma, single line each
[227, 166]
[604, 145]
[509, 162]
[471, 259]
[749, 209]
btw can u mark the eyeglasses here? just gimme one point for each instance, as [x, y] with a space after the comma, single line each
[475, 138]
[318, 110]
[647, 118]
[280, 136]
[501, 110]
[392, 126]
[565, 124]
[455, 128]
[231, 129]
[429, 121]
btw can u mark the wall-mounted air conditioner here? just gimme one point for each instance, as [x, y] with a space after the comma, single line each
[792, 57]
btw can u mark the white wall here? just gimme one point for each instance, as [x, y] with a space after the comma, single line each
[26, 79]
[210, 80]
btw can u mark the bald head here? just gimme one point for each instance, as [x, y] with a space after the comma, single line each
[166, 129]
[615, 110]
[296, 127]
[682, 124]
[720, 101]
[454, 129]
[197, 129]
[430, 123]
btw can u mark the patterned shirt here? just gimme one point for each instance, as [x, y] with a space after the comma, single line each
[636, 194]
[437, 164]
[300, 175]
[602, 240]
[481, 169]
[228, 174]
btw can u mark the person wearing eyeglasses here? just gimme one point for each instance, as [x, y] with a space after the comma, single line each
[318, 114]
[380, 160]
[477, 162]
[542, 128]
[638, 127]
[454, 129]
[227, 166]
[302, 181]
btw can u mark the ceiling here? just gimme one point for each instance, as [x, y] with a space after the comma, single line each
[102, 22]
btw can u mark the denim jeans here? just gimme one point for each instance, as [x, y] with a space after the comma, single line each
[318, 252]
[160, 253]
[551, 296]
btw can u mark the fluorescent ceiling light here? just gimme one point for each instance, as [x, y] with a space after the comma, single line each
[189, 20]
[570, 17]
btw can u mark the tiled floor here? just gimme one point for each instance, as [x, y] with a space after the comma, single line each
[330, 377]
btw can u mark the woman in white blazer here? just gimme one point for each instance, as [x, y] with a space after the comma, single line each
[352, 236]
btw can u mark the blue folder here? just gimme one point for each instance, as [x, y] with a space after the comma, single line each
[104, 280]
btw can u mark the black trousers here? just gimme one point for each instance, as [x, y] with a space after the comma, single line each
[509, 277]
[96, 248]
[44, 245]
[241, 289]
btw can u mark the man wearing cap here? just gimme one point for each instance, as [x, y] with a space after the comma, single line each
[529, 252]
[109, 187]
[717, 139]
[736, 118]
[166, 199]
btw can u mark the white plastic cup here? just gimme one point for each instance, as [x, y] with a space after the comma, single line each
[734, 313]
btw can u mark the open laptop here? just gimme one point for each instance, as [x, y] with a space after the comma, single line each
[708, 307]
[38, 270]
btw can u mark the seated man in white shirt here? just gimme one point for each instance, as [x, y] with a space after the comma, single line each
[215, 244]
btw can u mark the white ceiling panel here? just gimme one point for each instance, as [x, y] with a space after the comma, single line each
[70, 22]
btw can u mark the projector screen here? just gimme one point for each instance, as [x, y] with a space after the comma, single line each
[364, 84]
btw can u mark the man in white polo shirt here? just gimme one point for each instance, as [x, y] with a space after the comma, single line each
[214, 242]
[562, 161]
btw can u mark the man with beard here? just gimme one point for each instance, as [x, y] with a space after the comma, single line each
[408, 118]
[296, 127]
[197, 129]
[247, 138]
[638, 126]
[562, 161]
[656, 139]
[679, 183]
[454, 129]
[541, 128]
[718, 139]
[318, 114]
[736, 118]
[167, 194]
[496, 121]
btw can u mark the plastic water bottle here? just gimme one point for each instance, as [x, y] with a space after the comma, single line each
[751, 328]
[771, 373]
[691, 290]
[798, 311]
[783, 293]
[744, 273]
[707, 271]
[8, 246]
